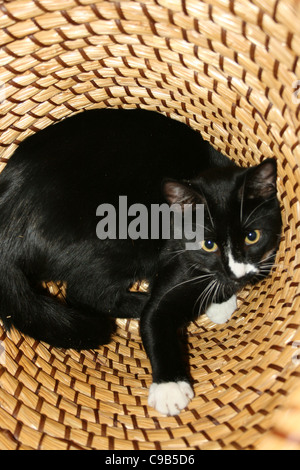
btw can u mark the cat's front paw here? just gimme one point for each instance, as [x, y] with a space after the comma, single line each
[169, 398]
[220, 313]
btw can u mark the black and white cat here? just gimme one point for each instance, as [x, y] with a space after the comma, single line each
[49, 194]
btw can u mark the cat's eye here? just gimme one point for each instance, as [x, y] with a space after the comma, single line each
[252, 237]
[209, 246]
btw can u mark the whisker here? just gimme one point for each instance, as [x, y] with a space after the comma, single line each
[209, 213]
[211, 290]
[260, 276]
[177, 253]
[269, 269]
[272, 255]
[192, 267]
[218, 289]
[242, 200]
[195, 279]
[204, 227]
[216, 292]
[206, 294]
[274, 265]
[253, 220]
[202, 293]
[257, 207]
[198, 299]
[223, 290]
[266, 269]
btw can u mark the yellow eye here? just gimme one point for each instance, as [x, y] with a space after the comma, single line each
[209, 246]
[252, 237]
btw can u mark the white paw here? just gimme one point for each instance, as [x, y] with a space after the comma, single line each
[220, 313]
[170, 398]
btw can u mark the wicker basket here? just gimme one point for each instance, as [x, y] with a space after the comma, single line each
[228, 68]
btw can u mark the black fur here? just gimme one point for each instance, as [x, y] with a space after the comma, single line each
[49, 193]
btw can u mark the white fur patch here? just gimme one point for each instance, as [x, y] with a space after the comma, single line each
[169, 398]
[220, 313]
[240, 269]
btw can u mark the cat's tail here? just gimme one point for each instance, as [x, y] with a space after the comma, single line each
[46, 319]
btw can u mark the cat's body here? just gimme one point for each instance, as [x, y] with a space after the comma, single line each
[49, 193]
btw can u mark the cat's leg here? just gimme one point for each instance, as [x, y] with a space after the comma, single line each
[222, 312]
[171, 390]
[161, 323]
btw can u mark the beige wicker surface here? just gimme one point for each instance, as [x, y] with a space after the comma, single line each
[226, 68]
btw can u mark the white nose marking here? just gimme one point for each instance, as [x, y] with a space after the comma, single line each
[240, 269]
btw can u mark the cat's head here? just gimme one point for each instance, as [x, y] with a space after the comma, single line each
[242, 221]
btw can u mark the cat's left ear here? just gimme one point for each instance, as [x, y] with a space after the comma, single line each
[178, 193]
[261, 180]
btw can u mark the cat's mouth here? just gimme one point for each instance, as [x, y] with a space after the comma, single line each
[232, 285]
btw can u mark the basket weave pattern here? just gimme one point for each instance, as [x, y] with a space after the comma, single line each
[228, 69]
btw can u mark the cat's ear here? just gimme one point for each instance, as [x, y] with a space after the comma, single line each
[261, 180]
[179, 193]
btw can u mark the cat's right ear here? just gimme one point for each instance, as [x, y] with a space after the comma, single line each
[179, 193]
[261, 180]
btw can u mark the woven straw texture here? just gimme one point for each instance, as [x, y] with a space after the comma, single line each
[228, 68]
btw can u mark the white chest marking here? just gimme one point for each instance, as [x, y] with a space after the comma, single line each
[240, 269]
